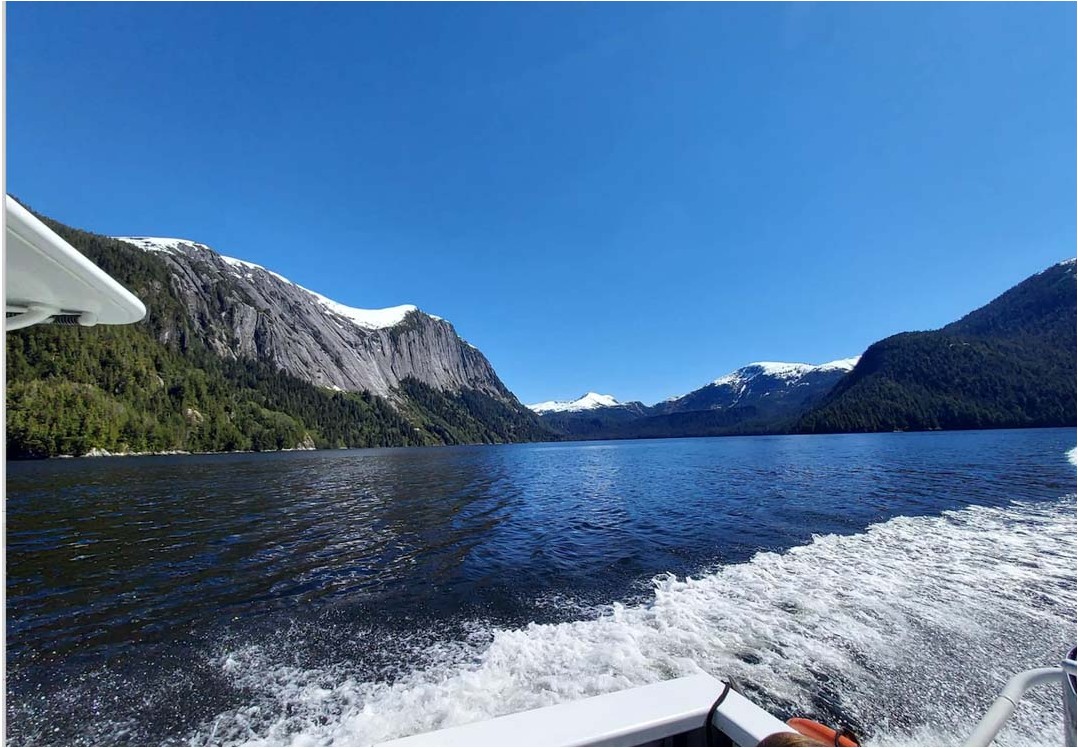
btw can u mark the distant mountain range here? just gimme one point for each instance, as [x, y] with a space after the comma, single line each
[587, 401]
[762, 396]
[233, 356]
[771, 387]
[590, 416]
[1010, 363]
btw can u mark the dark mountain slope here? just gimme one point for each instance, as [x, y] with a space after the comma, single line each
[1041, 306]
[594, 423]
[716, 422]
[1010, 363]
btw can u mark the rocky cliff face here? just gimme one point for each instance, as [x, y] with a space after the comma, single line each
[246, 311]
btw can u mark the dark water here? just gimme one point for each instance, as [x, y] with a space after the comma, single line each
[358, 595]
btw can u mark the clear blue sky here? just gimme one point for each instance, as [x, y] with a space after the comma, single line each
[633, 199]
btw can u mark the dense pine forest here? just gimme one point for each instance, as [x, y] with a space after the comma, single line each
[157, 386]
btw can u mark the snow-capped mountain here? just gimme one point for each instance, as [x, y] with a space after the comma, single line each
[763, 384]
[781, 370]
[588, 401]
[371, 319]
[763, 388]
[756, 397]
[247, 311]
[588, 415]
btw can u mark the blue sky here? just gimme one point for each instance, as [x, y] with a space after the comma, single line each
[633, 199]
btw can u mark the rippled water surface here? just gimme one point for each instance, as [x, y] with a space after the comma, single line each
[892, 581]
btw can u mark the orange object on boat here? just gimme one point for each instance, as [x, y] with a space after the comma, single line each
[823, 733]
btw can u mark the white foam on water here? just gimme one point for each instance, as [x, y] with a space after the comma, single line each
[908, 629]
[1072, 456]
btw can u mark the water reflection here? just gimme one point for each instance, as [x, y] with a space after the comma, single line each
[115, 559]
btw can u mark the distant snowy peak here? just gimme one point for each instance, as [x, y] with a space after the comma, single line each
[771, 387]
[589, 401]
[782, 370]
[369, 319]
[767, 368]
[842, 364]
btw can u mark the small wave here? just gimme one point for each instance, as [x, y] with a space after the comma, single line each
[1072, 456]
[906, 631]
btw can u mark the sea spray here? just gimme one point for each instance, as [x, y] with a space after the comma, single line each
[905, 631]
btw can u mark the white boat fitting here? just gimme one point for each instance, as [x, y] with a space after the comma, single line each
[673, 712]
[1003, 707]
[48, 280]
[696, 710]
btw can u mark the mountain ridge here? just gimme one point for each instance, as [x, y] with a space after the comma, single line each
[250, 311]
[233, 356]
[227, 362]
[779, 369]
[587, 401]
[757, 381]
[1007, 364]
[757, 397]
[369, 318]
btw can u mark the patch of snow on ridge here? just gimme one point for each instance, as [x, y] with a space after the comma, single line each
[783, 370]
[1070, 263]
[765, 368]
[590, 401]
[369, 319]
[234, 262]
[158, 243]
[845, 364]
[372, 319]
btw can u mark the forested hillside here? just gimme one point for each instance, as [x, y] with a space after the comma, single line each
[1010, 363]
[158, 386]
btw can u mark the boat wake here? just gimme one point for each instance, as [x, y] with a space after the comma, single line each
[906, 632]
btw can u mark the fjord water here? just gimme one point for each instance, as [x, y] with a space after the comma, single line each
[890, 581]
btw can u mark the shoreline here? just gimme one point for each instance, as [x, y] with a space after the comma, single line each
[97, 452]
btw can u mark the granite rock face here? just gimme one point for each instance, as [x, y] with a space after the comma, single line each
[246, 311]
